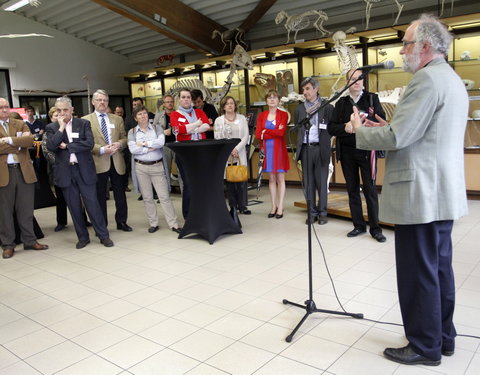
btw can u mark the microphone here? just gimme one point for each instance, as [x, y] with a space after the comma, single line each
[388, 64]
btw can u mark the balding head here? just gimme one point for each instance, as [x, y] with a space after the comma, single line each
[4, 109]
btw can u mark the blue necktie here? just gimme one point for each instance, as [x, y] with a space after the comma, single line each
[103, 125]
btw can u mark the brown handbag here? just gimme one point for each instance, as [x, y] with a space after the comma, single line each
[236, 173]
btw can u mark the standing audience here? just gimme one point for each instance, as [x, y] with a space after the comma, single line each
[71, 140]
[146, 143]
[110, 140]
[271, 127]
[353, 159]
[231, 124]
[17, 183]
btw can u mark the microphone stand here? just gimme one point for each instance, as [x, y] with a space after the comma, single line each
[309, 305]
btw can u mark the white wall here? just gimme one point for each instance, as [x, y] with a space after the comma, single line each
[58, 63]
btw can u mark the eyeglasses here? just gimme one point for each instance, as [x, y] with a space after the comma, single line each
[407, 42]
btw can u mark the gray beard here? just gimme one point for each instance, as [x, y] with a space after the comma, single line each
[411, 63]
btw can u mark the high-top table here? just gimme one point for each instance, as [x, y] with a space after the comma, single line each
[204, 164]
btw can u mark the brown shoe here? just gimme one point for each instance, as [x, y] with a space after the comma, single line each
[35, 246]
[8, 253]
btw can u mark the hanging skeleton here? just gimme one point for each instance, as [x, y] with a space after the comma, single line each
[230, 36]
[302, 21]
[368, 8]
[346, 56]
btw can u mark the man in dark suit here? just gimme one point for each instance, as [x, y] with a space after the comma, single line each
[315, 171]
[71, 140]
[110, 140]
[354, 160]
[17, 179]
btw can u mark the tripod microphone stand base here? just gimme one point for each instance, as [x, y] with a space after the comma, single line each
[311, 308]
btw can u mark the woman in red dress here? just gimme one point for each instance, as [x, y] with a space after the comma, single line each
[271, 127]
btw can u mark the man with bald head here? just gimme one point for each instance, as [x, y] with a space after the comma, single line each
[17, 183]
[424, 189]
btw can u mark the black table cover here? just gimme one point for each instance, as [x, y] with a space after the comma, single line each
[204, 163]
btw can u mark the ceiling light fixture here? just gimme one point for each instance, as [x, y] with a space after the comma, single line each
[13, 5]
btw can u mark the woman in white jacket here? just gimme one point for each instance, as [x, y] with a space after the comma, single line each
[234, 125]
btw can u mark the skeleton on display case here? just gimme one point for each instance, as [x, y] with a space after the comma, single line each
[302, 21]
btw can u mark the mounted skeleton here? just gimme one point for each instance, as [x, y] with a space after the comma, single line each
[240, 60]
[302, 21]
[230, 36]
[368, 8]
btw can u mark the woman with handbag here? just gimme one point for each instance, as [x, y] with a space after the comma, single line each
[234, 125]
[271, 127]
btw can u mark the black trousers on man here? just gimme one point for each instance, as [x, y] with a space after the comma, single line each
[426, 286]
[117, 182]
[356, 163]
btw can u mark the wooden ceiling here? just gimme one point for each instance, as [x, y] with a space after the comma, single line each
[184, 27]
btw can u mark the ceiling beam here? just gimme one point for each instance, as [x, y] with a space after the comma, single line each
[262, 7]
[181, 23]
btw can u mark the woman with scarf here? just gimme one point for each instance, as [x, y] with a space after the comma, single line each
[189, 124]
[270, 130]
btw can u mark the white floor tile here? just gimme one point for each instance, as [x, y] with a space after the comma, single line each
[202, 344]
[165, 362]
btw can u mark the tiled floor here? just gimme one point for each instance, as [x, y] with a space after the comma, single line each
[154, 304]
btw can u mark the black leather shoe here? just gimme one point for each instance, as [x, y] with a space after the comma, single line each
[270, 215]
[82, 244]
[152, 229]
[88, 224]
[107, 242]
[59, 227]
[246, 212]
[355, 232]
[124, 226]
[407, 356]
[177, 230]
[279, 216]
[322, 220]
[379, 237]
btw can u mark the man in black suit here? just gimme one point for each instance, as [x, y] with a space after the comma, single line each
[71, 140]
[315, 170]
[209, 109]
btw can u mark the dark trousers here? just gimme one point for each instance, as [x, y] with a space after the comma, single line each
[315, 177]
[186, 191]
[74, 194]
[236, 194]
[61, 208]
[117, 182]
[352, 162]
[426, 286]
[17, 197]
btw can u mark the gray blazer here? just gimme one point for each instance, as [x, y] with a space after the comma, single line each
[424, 173]
[324, 115]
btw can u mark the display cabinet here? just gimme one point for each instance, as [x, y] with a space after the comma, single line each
[149, 91]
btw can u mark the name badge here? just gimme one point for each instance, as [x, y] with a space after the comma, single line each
[322, 126]
[19, 134]
[111, 126]
[37, 130]
[74, 135]
[181, 119]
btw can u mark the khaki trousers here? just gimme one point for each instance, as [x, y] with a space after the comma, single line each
[148, 175]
